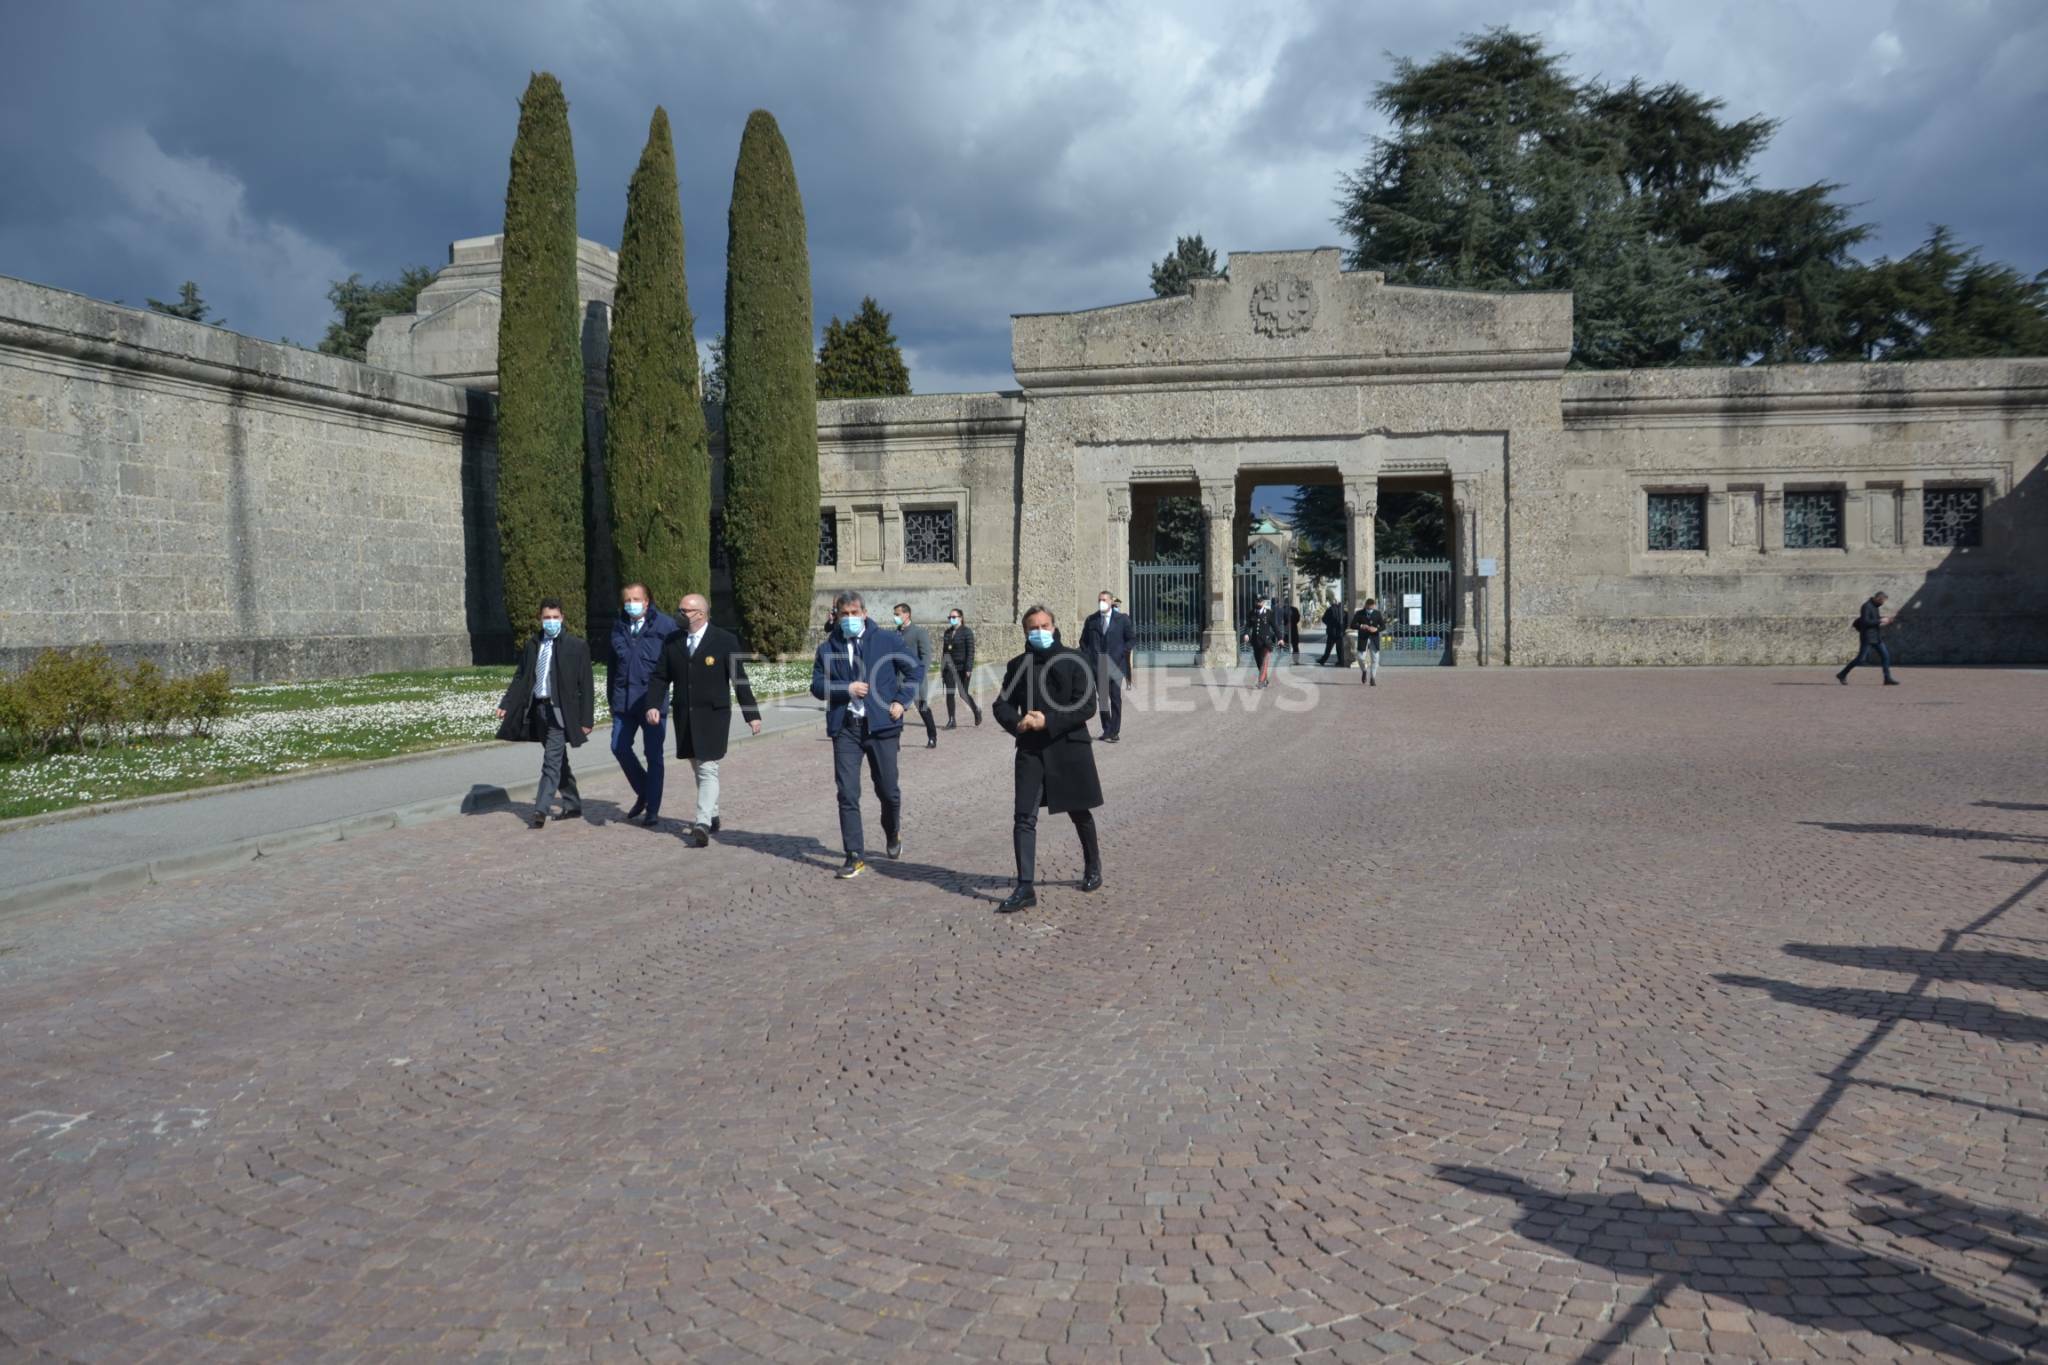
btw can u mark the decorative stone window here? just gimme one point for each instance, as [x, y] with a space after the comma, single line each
[1813, 519]
[928, 536]
[1678, 521]
[828, 539]
[1952, 518]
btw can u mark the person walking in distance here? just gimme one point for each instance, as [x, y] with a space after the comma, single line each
[1370, 623]
[702, 663]
[866, 682]
[1262, 635]
[1870, 623]
[956, 653]
[1047, 696]
[917, 642]
[1106, 643]
[1333, 634]
[1290, 618]
[637, 639]
[551, 702]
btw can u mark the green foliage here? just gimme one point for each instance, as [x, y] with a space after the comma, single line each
[1411, 525]
[540, 367]
[714, 377]
[1943, 303]
[1177, 533]
[358, 307]
[771, 420]
[657, 456]
[1322, 531]
[189, 306]
[67, 697]
[1189, 261]
[860, 359]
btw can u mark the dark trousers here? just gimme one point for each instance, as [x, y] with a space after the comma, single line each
[924, 713]
[554, 761]
[1884, 658]
[849, 746]
[1109, 695]
[1333, 643]
[646, 782]
[1024, 835]
[1294, 642]
[954, 682]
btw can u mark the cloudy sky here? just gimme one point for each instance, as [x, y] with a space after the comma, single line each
[960, 161]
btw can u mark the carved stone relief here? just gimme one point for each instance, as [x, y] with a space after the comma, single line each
[1283, 307]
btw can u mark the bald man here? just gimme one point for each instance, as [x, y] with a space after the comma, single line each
[702, 662]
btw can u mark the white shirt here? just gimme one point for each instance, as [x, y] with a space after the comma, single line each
[855, 705]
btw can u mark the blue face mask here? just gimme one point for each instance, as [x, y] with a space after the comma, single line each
[636, 610]
[551, 627]
[1038, 639]
[852, 626]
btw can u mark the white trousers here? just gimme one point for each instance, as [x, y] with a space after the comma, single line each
[706, 773]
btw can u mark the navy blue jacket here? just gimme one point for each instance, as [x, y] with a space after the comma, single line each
[880, 661]
[634, 658]
[1108, 638]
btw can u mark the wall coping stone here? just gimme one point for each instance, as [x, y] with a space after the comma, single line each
[1860, 391]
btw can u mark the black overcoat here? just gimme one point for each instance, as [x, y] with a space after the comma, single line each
[1061, 684]
[704, 688]
[572, 688]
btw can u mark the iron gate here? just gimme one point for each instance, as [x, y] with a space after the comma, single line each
[1415, 595]
[1168, 611]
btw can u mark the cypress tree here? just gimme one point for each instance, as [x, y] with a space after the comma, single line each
[657, 463]
[540, 369]
[771, 408]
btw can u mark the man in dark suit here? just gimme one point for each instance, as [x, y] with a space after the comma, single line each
[1371, 625]
[866, 681]
[637, 638]
[1047, 696]
[956, 649]
[552, 701]
[1870, 623]
[1291, 618]
[702, 662]
[1106, 640]
[1333, 634]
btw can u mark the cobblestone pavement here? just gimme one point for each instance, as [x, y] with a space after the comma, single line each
[1504, 1015]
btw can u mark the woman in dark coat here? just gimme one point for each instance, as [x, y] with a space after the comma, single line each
[1264, 632]
[1047, 698]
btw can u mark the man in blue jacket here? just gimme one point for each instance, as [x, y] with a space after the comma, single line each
[637, 639]
[866, 680]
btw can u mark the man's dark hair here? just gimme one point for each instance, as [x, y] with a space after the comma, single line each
[1372, 601]
[849, 598]
[955, 611]
[1879, 595]
[1040, 609]
[904, 607]
[1107, 593]
[636, 583]
[550, 604]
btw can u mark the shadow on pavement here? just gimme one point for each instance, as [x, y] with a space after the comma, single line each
[1913, 1007]
[2014, 970]
[1929, 832]
[1906, 1208]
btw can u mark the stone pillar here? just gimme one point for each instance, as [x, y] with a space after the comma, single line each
[1464, 640]
[1116, 559]
[1774, 519]
[1361, 547]
[1219, 513]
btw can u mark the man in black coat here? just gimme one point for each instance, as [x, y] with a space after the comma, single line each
[956, 653]
[1870, 623]
[1047, 697]
[552, 702]
[702, 662]
[1291, 618]
[1106, 639]
[1333, 634]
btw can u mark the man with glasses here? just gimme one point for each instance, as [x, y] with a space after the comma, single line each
[702, 662]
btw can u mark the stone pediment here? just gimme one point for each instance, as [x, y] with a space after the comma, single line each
[1293, 316]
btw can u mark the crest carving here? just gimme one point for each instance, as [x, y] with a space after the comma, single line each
[1283, 307]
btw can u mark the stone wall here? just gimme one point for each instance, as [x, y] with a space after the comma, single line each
[182, 493]
[1586, 588]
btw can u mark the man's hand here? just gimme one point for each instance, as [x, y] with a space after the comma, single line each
[856, 690]
[895, 710]
[586, 729]
[501, 713]
[755, 726]
[1033, 720]
[654, 715]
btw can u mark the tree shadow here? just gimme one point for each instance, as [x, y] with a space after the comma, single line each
[1906, 1208]
[1970, 1016]
[1772, 1266]
[1928, 832]
[2013, 970]
[2011, 805]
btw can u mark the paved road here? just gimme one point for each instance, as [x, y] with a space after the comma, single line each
[1507, 1016]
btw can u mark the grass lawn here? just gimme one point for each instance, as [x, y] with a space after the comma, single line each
[287, 727]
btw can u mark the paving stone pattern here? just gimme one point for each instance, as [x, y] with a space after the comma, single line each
[1510, 1015]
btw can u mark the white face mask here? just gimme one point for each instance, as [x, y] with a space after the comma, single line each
[1104, 606]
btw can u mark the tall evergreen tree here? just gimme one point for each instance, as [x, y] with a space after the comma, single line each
[771, 409]
[860, 359]
[1189, 261]
[714, 373]
[1942, 302]
[358, 308]
[657, 463]
[189, 306]
[540, 368]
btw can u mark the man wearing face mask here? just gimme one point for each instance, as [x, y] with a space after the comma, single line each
[551, 702]
[866, 681]
[701, 664]
[917, 641]
[957, 650]
[637, 639]
[1047, 697]
[1106, 641]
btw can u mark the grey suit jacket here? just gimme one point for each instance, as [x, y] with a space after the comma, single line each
[917, 643]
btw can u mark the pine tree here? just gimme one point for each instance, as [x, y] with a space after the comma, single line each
[1189, 261]
[657, 463]
[358, 308]
[860, 359]
[189, 306]
[540, 368]
[771, 410]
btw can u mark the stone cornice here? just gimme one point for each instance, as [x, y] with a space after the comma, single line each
[1459, 367]
[1924, 390]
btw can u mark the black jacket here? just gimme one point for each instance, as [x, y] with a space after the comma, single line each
[704, 688]
[1108, 639]
[1869, 622]
[1263, 631]
[957, 649]
[1369, 616]
[1060, 683]
[572, 688]
[1333, 619]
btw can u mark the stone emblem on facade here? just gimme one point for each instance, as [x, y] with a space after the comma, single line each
[1283, 307]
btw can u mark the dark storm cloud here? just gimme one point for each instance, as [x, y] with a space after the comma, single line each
[958, 161]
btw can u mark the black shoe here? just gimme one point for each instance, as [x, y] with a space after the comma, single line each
[931, 741]
[537, 820]
[1372, 682]
[895, 849]
[639, 809]
[1112, 739]
[714, 824]
[1891, 682]
[647, 821]
[1842, 678]
[1023, 898]
[951, 726]
[853, 867]
[696, 836]
[977, 717]
[1361, 677]
[1091, 879]
[576, 814]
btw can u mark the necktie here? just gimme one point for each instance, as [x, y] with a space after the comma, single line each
[544, 672]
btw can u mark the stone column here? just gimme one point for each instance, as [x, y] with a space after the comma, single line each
[1464, 640]
[1773, 528]
[1219, 513]
[1912, 524]
[1116, 560]
[1361, 547]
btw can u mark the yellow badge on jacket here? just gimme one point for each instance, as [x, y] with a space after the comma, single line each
[710, 659]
